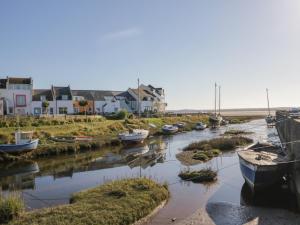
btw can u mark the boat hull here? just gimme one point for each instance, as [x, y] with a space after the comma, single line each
[18, 148]
[134, 138]
[261, 177]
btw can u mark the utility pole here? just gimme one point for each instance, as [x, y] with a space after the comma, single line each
[139, 103]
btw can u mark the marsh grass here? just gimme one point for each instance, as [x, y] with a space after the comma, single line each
[11, 206]
[204, 175]
[120, 202]
[235, 132]
[223, 144]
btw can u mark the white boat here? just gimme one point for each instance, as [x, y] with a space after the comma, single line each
[169, 129]
[136, 136]
[262, 165]
[200, 126]
[23, 143]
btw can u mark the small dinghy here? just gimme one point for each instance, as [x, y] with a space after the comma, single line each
[262, 165]
[200, 126]
[136, 136]
[180, 125]
[23, 143]
[169, 129]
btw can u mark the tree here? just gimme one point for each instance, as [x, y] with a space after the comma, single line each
[83, 103]
[45, 105]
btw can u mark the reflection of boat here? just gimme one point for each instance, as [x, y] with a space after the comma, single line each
[18, 168]
[136, 136]
[135, 151]
[23, 143]
[169, 129]
[262, 165]
[18, 175]
[200, 126]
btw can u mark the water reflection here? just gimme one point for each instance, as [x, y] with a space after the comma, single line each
[58, 177]
[18, 175]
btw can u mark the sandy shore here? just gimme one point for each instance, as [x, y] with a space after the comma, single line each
[228, 214]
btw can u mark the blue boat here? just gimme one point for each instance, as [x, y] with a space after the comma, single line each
[24, 143]
[262, 165]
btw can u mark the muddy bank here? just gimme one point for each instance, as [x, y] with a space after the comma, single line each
[220, 213]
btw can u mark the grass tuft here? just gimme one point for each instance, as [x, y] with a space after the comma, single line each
[204, 175]
[11, 207]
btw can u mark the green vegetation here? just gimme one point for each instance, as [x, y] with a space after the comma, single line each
[223, 144]
[11, 206]
[204, 175]
[237, 132]
[120, 202]
[202, 151]
[242, 119]
[104, 132]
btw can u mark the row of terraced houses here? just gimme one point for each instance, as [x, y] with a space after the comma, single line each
[18, 97]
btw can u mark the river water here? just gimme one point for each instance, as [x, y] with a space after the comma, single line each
[51, 181]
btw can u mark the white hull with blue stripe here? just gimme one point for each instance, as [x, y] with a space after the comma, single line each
[261, 167]
[18, 148]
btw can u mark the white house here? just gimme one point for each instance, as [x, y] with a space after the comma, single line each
[38, 97]
[16, 94]
[105, 102]
[151, 99]
[63, 100]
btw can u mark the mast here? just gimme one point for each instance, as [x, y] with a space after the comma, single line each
[219, 100]
[139, 103]
[267, 90]
[215, 99]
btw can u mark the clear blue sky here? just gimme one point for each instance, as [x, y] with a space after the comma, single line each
[183, 46]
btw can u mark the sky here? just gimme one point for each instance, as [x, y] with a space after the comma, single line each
[184, 46]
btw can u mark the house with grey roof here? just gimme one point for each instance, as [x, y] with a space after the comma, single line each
[105, 102]
[63, 100]
[151, 99]
[16, 95]
[38, 97]
[83, 95]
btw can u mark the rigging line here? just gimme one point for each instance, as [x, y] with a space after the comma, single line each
[37, 198]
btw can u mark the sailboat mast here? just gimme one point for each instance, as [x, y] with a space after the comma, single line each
[267, 90]
[215, 99]
[219, 100]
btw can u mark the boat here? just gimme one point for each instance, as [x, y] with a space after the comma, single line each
[270, 120]
[71, 139]
[83, 138]
[215, 119]
[262, 165]
[23, 143]
[136, 136]
[169, 129]
[200, 126]
[180, 125]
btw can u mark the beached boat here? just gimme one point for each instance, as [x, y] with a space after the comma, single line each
[71, 139]
[200, 126]
[23, 143]
[180, 125]
[262, 165]
[136, 136]
[169, 129]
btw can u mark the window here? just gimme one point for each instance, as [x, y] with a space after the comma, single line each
[63, 110]
[43, 98]
[20, 100]
[37, 111]
[51, 110]
[10, 110]
[64, 97]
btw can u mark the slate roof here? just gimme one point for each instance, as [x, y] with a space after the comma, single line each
[18, 80]
[87, 94]
[37, 93]
[126, 95]
[99, 95]
[3, 83]
[59, 91]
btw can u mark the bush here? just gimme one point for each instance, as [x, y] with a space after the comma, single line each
[201, 156]
[204, 175]
[10, 207]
